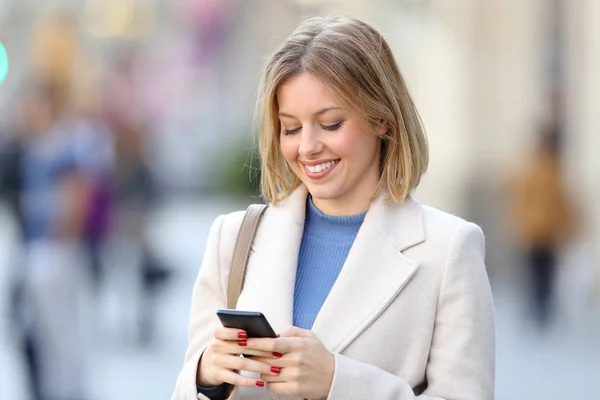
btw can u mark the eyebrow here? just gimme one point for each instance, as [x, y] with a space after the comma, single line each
[321, 111]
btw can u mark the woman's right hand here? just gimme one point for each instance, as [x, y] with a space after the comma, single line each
[221, 359]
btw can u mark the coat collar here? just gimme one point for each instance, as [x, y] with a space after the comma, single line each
[373, 275]
[406, 230]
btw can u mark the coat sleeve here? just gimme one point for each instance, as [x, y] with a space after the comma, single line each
[462, 356]
[208, 296]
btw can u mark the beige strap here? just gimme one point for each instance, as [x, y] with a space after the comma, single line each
[241, 253]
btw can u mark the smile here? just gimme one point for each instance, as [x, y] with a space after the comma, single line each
[320, 170]
[321, 167]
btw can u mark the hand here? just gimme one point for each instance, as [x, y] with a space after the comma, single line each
[221, 359]
[306, 366]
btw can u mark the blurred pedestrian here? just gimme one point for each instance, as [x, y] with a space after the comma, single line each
[11, 184]
[54, 202]
[544, 221]
[93, 150]
[388, 298]
[134, 194]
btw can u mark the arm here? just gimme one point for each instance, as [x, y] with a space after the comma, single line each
[73, 205]
[213, 393]
[461, 359]
[208, 296]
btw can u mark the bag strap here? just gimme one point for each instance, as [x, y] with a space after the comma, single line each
[241, 253]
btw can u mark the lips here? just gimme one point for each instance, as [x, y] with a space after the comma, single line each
[319, 169]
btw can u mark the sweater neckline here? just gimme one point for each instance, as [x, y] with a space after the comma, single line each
[332, 227]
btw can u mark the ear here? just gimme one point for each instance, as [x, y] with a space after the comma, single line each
[382, 127]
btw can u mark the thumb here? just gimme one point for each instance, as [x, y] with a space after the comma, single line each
[294, 331]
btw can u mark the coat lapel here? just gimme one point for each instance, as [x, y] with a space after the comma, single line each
[372, 276]
[271, 271]
[374, 273]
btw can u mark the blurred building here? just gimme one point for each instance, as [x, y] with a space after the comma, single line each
[479, 72]
[485, 76]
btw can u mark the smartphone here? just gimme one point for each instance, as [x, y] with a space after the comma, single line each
[254, 323]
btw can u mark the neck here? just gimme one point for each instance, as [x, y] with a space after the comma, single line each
[339, 208]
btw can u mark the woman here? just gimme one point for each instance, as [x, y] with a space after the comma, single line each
[375, 296]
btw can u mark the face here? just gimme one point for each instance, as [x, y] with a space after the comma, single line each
[334, 151]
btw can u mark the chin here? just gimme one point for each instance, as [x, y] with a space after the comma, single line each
[323, 193]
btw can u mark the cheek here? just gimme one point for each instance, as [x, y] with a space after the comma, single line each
[359, 146]
[288, 149]
[350, 145]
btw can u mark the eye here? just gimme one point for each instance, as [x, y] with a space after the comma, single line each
[333, 127]
[287, 132]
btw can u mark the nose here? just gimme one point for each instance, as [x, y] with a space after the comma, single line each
[310, 143]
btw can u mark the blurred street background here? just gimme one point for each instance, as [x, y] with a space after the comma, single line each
[126, 128]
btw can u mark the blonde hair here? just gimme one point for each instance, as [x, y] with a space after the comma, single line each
[354, 61]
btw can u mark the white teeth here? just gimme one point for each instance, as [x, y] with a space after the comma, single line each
[321, 167]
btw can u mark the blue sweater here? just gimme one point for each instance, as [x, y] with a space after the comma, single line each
[326, 242]
[325, 245]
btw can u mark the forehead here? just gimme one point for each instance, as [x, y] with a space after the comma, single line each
[305, 92]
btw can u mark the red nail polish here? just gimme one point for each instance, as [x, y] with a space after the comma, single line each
[278, 355]
[242, 343]
[276, 370]
[242, 335]
[278, 335]
[260, 383]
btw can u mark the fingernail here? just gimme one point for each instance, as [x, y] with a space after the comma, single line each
[278, 355]
[242, 335]
[275, 370]
[242, 343]
[260, 383]
[278, 335]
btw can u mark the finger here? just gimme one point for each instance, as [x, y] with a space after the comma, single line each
[222, 333]
[233, 348]
[284, 388]
[271, 378]
[294, 331]
[276, 366]
[285, 374]
[280, 345]
[237, 347]
[275, 361]
[257, 353]
[277, 347]
[228, 376]
[246, 364]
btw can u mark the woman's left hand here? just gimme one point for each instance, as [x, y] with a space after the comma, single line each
[306, 366]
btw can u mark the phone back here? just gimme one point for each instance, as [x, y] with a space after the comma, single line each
[254, 323]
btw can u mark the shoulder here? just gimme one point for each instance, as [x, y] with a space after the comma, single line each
[449, 228]
[436, 218]
[225, 228]
[455, 248]
[229, 224]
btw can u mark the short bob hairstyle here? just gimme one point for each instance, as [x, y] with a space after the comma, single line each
[354, 61]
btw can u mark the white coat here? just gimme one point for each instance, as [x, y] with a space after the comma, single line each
[410, 316]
